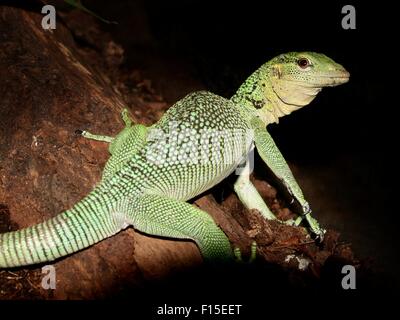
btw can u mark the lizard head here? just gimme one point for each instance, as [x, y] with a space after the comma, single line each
[307, 70]
[288, 82]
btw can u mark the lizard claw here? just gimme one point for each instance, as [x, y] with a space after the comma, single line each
[313, 223]
[253, 254]
[315, 228]
[320, 234]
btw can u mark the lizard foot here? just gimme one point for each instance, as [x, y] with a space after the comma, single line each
[313, 223]
[315, 228]
[292, 222]
[253, 254]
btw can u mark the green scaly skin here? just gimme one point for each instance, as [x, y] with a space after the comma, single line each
[198, 142]
[279, 87]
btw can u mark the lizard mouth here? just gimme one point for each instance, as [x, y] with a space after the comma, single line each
[325, 80]
[336, 79]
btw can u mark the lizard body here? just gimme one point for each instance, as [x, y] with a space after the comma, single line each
[198, 142]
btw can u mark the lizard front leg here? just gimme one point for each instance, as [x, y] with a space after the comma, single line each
[273, 158]
[251, 198]
[249, 195]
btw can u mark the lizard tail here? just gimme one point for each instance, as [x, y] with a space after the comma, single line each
[75, 229]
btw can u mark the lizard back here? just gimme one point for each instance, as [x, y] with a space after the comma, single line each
[197, 143]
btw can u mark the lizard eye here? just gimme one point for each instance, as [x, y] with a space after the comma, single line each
[303, 63]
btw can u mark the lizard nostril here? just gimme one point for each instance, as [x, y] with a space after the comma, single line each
[346, 74]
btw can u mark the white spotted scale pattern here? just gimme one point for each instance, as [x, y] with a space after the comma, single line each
[197, 143]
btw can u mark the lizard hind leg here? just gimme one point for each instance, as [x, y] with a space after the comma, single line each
[125, 117]
[126, 144]
[98, 137]
[162, 216]
[88, 135]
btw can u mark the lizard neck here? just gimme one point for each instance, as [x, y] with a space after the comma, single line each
[258, 96]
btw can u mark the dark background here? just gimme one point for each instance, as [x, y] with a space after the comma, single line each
[342, 147]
